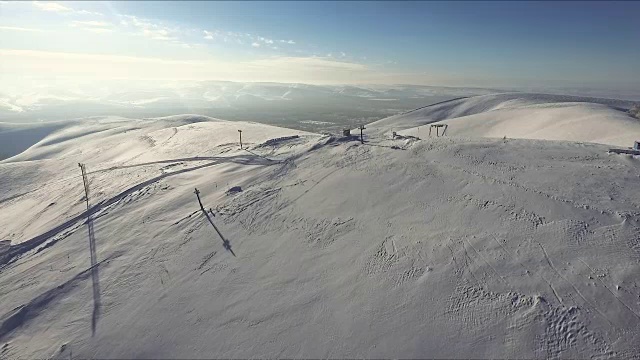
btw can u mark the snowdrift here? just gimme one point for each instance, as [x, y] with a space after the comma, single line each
[442, 247]
[515, 115]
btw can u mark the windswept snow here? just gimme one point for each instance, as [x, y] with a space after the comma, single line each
[459, 246]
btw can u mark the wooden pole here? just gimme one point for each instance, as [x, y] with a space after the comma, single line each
[361, 136]
[197, 192]
[86, 185]
[240, 131]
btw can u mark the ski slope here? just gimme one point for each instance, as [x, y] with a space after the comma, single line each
[459, 246]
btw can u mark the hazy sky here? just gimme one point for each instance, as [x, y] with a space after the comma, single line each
[435, 43]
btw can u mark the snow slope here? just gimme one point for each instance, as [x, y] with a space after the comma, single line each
[15, 138]
[515, 115]
[108, 145]
[443, 247]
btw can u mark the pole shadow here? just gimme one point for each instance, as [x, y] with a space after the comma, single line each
[260, 156]
[225, 242]
[95, 277]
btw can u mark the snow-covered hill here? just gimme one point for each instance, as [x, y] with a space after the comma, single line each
[15, 138]
[443, 247]
[516, 115]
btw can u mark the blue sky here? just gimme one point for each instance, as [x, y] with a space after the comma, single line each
[435, 43]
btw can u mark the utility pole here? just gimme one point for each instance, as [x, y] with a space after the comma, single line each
[197, 192]
[361, 136]
[240, 131]
[86, 184]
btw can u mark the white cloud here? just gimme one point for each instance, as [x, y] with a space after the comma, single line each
[99, 30]
[309, 63]
[232, 37]
[93, 26]
[90, 23]
[208, 34]
[265, 40]
[85, 12]
[62, 9]
[158, 34]
[156, 31]
[51, 6]
[243, 38]
[16, 28]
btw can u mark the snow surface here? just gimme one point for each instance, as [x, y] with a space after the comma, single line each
[458, 246]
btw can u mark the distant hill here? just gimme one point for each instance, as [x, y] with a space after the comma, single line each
[522, 115]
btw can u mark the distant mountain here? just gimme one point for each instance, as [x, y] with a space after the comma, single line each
[292, 105]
